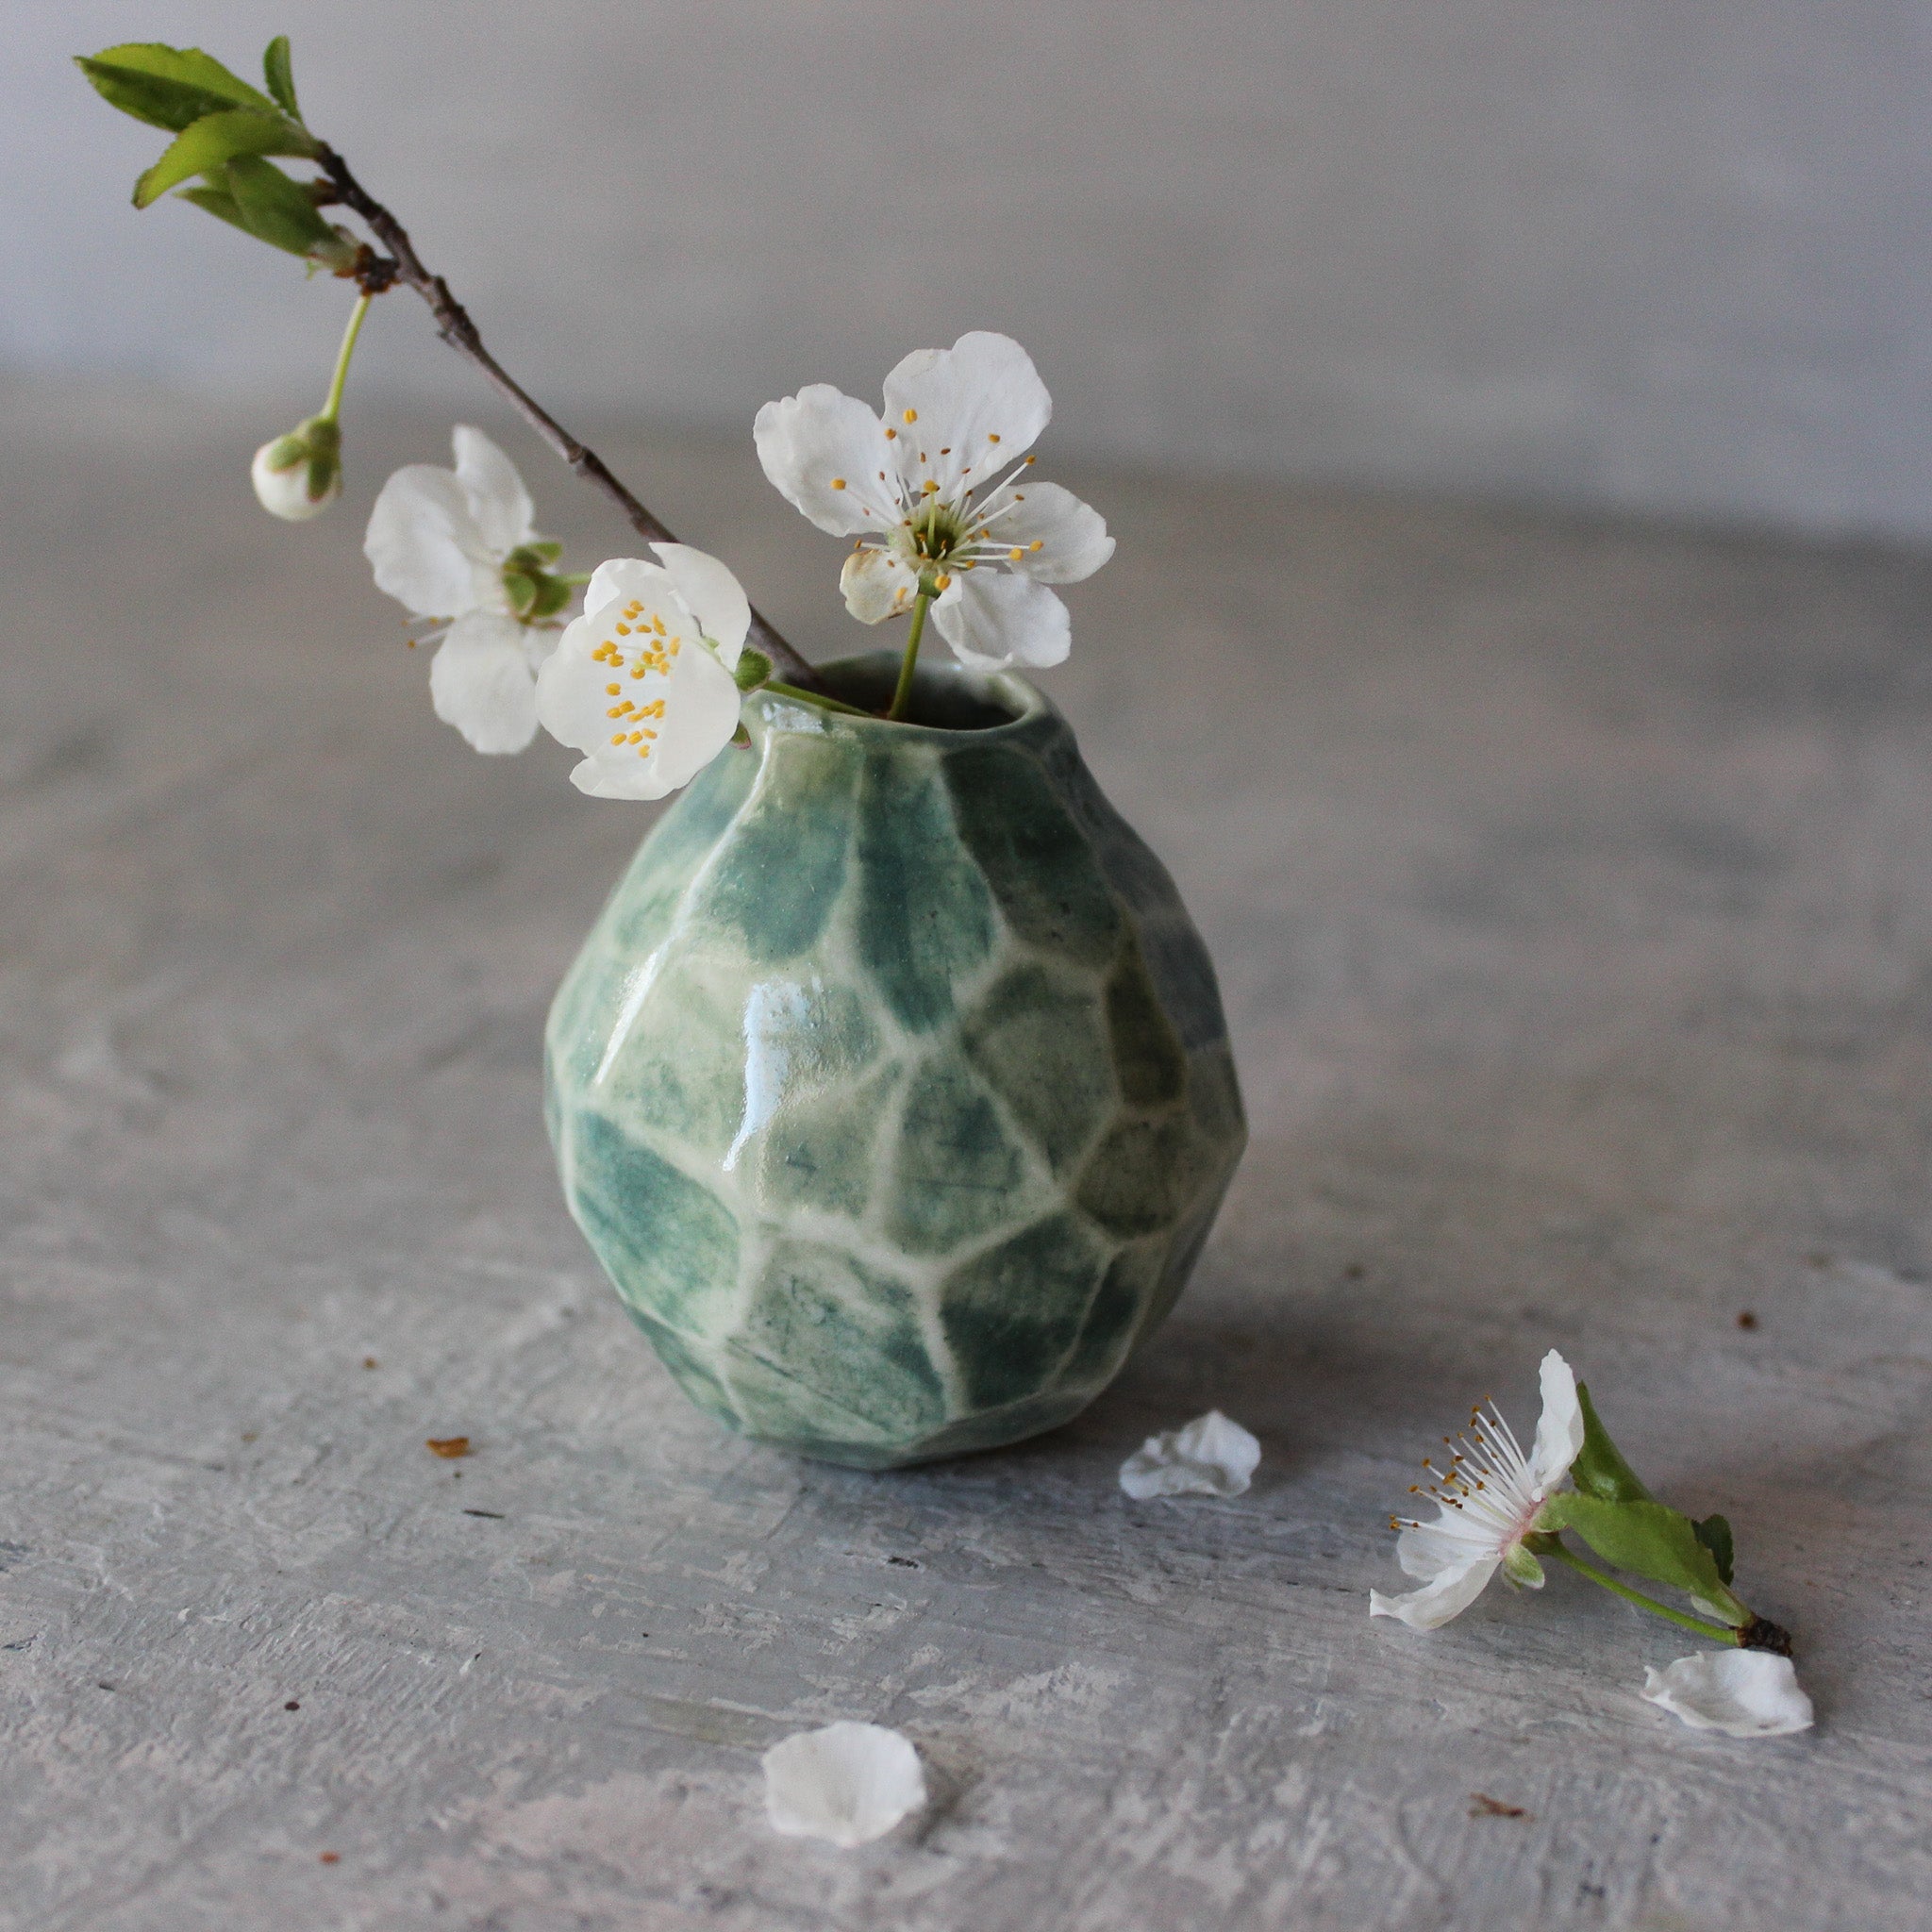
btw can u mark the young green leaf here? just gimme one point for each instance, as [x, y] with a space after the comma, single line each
[217, 201]
[166, 87]
[218, 138]
[1600, 1469]
[1651, 1539]
[281, 75]
[275, 208]
[1714, 1533]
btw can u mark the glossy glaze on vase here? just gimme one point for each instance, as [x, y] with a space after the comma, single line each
[891, 1085]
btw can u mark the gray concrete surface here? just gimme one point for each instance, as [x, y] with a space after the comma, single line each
[1571, 887]
[1654, 256]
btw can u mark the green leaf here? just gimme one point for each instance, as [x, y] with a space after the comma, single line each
[166, 87]
[217, 201]
[1600, 1469]
[274, 208]
[1651, 1539]
[218, 138]
[1714, 1533]
[281, 75]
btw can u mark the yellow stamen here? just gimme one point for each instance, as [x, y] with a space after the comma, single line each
[912, 415]
[992, 436]
[838, 482]
[1015, 555]
[940, 581]
[613, 690]
[930, 488]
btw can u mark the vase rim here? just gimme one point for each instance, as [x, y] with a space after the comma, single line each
[1021, 705]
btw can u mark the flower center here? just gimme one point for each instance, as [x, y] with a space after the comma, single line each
[640, 647]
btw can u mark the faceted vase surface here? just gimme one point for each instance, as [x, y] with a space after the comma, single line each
[891, 1087]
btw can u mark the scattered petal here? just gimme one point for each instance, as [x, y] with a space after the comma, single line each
[849, 1783]
[449, 1447]
[1210, 1456]
[1745, 1693]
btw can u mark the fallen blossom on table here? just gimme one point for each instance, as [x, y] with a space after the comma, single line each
[1745, 1693]
[1210, 1456]
[1488, 1501]
[848, 1783]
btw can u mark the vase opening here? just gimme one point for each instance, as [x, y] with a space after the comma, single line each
[945, 697]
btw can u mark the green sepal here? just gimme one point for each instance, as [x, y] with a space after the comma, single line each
[1651, 1539]
[166, 87]
[281, 75]
[1714, 1533]
[1519, 1566]
[275, 208]
[533, 557]
[752, 669]
[521, 592]
[1600, 1469]
[553, 593]
[218, 139]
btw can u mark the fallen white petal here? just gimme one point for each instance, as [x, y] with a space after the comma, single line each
[1745, 1693]
[849, 1783]
[1211, 1457]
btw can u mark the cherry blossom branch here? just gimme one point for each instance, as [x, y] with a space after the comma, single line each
[402, 265]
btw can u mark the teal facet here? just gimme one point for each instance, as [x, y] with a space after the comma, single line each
[891, 1087]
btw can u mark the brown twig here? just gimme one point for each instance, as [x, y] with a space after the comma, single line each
[376, 272]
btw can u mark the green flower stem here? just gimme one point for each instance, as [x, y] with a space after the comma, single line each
[1719, 1633]
[333, 406]
[813, 697]
[902, 696]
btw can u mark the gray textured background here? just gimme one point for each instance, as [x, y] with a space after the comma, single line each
[1650, 257]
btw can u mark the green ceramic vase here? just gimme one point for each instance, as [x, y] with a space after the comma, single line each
[891, 1085]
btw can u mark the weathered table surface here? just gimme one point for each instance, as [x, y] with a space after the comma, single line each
[1572, 888]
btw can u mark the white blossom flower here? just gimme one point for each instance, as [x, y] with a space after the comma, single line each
[1745, 1693]
[298, 475]
[642, 682]
[1210, 1456]
[460, 545]
[938, 489]
[1488, 1500]
[849, 1783]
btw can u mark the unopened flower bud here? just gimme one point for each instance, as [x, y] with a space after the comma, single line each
[298, 475]
[753, 669]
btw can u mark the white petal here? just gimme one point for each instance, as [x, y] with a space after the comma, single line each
[1745, 1693]
[976, 408]
[849, 1783]
[1070, 536]
[424, 546]
[716, 597]
[285, 493]
[1559, 1430]
[1210, 1456]
[655, 731]
[877, 585]
[480, 682]
[1425, 1550]
[824, 452]
[1434, 1603]
[617, 578]
[498, 500]
[992, 620]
